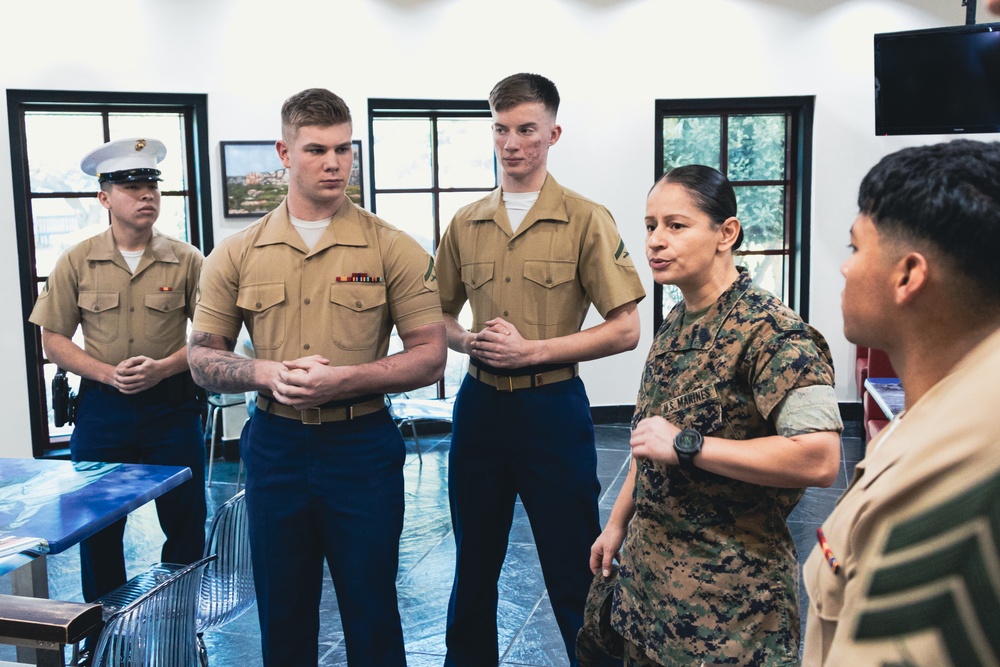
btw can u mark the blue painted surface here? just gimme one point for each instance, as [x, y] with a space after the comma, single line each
[63, 502]
[888, 393]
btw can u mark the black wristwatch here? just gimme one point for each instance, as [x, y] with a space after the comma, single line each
[687, 444]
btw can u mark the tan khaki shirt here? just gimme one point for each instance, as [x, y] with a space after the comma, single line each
[542, 279]
[296, 302]
[917, 537]
[123, 314]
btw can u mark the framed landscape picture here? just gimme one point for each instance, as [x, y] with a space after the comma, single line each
[254, 181]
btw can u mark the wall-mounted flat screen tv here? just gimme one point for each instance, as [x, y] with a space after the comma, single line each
[938, 81]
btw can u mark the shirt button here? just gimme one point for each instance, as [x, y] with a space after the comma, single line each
[306, 302]
[510, 246]
[548, 281]
[357, 304]
[306, 346]
[257, 305]
[505, 313]
[131, 309]
[507, 279]
[96, 308]
[131, 340]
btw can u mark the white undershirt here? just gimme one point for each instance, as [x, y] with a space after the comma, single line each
[310, 231]
[132, 257]
[518, 204]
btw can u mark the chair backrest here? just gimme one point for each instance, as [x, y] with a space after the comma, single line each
[158, 628]
[227, 588]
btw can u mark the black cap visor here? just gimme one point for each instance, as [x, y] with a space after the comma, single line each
[130, 176]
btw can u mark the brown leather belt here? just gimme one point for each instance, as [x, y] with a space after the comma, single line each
[512, 382]
[321, 415]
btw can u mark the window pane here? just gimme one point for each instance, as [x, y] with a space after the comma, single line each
[465, 153]
[402, 153]
[168, 128]
[173, 217]
[56, 144]
[413, 213]
[691, 140]
[757, 148]
[761, 210]
[671, 297]
[768, 271]
[61, 223]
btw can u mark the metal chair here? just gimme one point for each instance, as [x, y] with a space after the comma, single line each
[409, 411]
[217, 404]
[158, 627]
[227, 589]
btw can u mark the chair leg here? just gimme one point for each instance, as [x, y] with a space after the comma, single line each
[416, 441]
[202, 651]
[211, 447]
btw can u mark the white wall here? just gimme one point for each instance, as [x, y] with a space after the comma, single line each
[610, 59]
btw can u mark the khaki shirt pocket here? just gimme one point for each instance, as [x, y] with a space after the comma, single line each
[265, 302]
[476, 275]
[100, 315]
[163, 321]
[548, 292]
[359, 313]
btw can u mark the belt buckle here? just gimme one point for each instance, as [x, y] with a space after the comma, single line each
[309, 412]
[500, 380]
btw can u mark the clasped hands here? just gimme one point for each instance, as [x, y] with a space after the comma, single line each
[307, 382]
[501, 345]
[136, 374]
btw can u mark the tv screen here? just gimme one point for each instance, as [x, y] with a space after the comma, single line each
[938, 81]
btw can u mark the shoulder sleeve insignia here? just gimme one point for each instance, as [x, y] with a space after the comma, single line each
[430, 275]
[939, 572]
[622, 257]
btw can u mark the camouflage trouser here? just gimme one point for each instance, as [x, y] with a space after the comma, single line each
[636, 657]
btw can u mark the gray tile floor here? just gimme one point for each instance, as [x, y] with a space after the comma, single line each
[528, 632]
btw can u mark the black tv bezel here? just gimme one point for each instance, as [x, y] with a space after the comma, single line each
[899, 130]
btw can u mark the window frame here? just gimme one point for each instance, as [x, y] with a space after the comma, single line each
[432, 110]
[798, 111]
[194, 107]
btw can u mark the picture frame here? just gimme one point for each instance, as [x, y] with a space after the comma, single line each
[356, 183]
[254, 181]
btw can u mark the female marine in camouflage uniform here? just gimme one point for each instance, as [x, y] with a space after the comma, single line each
[708, 569]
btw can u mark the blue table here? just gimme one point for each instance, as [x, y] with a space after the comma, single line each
[888, 393]
[48, 506]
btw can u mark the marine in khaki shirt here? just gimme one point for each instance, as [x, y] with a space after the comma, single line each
[320, 284]
[530, 258]
[908, 568]
[132, 291]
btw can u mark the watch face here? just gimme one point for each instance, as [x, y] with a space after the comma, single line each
[688, 441]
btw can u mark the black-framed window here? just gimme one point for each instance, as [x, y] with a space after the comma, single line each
[55, 204]
[764, 146]
[428, 159]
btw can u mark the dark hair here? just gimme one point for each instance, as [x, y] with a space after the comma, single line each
[946, 195]
[313, 106]
[711, 190]
[521, 88]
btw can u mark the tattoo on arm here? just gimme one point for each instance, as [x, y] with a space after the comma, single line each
[217, 369]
